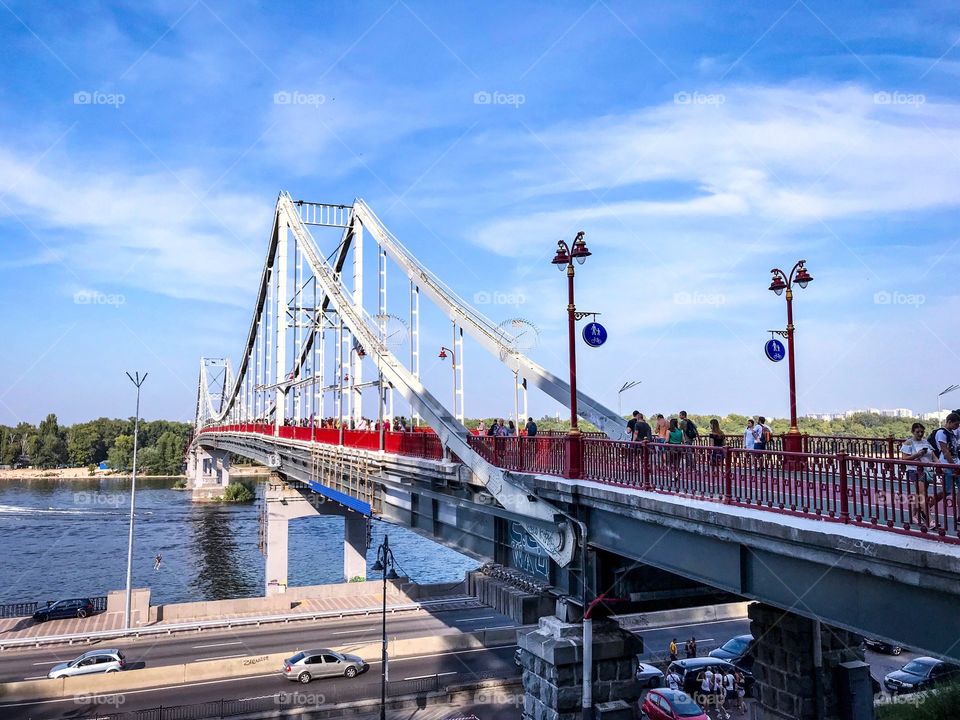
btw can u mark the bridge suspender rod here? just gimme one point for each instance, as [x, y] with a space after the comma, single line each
[415, 338]
[458, 345]
[356, 363]
[281, 319]
[297, 307]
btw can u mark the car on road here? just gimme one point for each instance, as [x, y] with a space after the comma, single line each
[881, 646]
[667, 704]
[690, 668]
[736, 650]
[922, 673]
[95, 661]
[75, 607]
[648, 675]
[309, 664]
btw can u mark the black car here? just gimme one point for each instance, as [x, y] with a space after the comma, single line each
[690, 668]
[77, 607]
[922, 673]
[735, 649]
[882, 646]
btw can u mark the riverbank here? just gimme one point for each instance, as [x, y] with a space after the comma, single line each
[83, 473]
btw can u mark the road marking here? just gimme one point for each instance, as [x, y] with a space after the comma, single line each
[351, 632]
[423, 677]
[48, 662]
[486, 617]
[236, 642]
[37, 677]
[455, 652]
[498, 627]
[258, 697]
[220, 657]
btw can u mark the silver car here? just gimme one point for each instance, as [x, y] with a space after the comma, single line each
[648, 675]
[309, 664]
[95, 661]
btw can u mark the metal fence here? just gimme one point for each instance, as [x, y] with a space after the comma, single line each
[26, 609]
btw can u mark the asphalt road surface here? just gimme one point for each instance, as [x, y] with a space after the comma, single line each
[157, 651]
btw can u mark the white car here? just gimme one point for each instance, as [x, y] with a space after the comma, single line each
[95, 661]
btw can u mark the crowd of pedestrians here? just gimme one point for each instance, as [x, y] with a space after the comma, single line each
[718, 686]
[682, 430]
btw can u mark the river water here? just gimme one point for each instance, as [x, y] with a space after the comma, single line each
[69, 538]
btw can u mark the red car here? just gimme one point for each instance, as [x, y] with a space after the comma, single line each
[667, 704]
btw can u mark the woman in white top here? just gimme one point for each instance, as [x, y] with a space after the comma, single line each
[918, 450]
[749, 437]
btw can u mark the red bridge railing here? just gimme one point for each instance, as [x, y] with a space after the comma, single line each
[875, 490]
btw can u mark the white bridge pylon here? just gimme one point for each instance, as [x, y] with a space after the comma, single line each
[311, 334]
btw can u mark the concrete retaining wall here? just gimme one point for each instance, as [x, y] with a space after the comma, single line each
[273, 604]
[237, 667]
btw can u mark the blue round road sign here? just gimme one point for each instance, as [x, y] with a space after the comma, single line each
[774, 349]
[594, 334]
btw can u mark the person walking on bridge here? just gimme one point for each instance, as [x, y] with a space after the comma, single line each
[749, 436]
[916, 449]
[531, 427]
[689, 427]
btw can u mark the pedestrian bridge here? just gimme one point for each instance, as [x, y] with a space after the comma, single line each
[829, 535]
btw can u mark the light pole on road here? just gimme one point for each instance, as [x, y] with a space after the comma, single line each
[629, 384]
[138, 381]
[385, 564]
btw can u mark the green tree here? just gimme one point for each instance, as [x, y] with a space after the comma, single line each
[170, 453]
[120, 456]
[51, 447]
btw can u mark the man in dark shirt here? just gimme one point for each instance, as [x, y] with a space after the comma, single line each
[531, 427]
[642, 429]
[632, 426]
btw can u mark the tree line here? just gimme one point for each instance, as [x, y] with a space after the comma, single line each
[50, 445]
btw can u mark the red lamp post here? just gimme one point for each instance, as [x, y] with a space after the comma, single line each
[453, 362]
[565, 257]
[792, 441]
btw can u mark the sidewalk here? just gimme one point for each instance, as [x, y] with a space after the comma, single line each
[25, 628]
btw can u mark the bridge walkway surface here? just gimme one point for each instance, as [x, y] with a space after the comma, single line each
[13, 631]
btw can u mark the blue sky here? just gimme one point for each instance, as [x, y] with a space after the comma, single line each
[698, 145]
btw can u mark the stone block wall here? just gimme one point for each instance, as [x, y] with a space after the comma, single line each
[786, 678]
[552, 661]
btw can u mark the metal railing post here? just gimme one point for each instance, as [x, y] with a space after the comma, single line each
[574, 452]
[645, 466]
[844, 499]
[727, 477]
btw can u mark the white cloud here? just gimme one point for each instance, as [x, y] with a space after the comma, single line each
[146, 231]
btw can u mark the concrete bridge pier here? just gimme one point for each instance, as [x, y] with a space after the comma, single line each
[283, 504]
[796, 663]
[208, 473]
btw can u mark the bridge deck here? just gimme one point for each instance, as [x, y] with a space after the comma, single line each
[877, 492]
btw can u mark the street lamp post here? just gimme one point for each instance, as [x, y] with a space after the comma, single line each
[792, 441]
[949, 389]
[565, 256]
[138, 381]
[453, 363]
[629, 384]
[385, 564]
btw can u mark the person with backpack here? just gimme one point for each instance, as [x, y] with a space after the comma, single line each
[916, 449]
[762, 432]
[690, 433]
[945, 448]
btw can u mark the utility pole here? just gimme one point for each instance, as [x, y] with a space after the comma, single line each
[138, 381]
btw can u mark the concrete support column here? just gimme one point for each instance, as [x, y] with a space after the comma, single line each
[208, 473]
[354, 546]
[552, 661]
[283, 505]
[792, 683]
